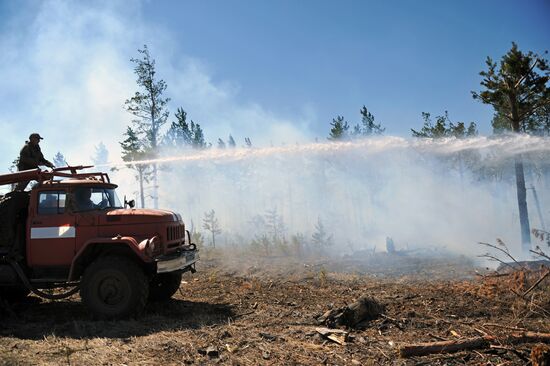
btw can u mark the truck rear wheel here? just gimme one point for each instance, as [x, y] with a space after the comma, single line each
[114, 288]
[164, 285]
[14, 293]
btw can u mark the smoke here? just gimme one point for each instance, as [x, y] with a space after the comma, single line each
[422, 193]
[66, 73]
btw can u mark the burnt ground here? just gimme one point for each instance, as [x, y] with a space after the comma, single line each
[262, 311]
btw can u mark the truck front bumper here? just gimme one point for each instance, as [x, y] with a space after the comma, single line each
[185, 261]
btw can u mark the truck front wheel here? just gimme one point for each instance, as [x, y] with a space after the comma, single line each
[114, 288]
[164, 285]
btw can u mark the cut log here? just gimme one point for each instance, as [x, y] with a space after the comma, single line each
[335, 335]
[422, 349]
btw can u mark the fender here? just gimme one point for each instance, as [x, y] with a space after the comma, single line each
[126, 241]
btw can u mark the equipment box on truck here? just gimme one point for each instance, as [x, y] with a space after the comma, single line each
[71, 232]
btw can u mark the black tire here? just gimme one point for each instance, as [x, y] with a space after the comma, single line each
[14, 293]
[114, 288]
[164, 285]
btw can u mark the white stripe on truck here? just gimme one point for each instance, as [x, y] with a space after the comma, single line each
[55, 232]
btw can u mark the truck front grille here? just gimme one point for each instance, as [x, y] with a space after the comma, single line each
[175, 232]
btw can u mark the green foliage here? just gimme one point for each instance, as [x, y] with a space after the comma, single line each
[443, 127]
[231, 142]
[320, 239]
[271, 233]
[148, 105]
[132, 147]
[210, 223]
[133, 150]
[516, 88]
[368, 127]
[500, 123]
[185, 134]
[537, 124]
[339, 129]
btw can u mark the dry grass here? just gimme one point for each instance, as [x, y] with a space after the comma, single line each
[263, 312]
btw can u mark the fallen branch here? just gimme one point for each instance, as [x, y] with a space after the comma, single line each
[536, 283]
[493, 275]
[502, 326]
[422, 349]
[540, 253]
[505, 251]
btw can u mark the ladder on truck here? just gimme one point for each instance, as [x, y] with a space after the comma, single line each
[49, 175]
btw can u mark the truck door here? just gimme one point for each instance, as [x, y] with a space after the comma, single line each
[52, 231]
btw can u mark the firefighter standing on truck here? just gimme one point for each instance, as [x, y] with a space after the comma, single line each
[31, 157]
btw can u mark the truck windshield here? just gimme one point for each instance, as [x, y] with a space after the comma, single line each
[88, 198]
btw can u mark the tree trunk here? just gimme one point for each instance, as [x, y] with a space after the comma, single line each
[141, 197]
[520, 182]
[155, 186]
[213, 240]
[522, 205]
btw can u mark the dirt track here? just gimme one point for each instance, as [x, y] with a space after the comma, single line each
[263, 312]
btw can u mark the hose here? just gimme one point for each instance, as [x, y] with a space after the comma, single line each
[36, 291]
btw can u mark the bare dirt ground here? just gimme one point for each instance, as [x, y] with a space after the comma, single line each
[251, 311]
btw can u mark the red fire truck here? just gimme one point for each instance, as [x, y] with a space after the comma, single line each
[71, 233]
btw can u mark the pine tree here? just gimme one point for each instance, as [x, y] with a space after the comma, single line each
[59, 160]
[231, 142]
[320, 238]
[247, 142]
[368, 127]
[179, 134]
[148, 106]
[221, 144]
[185, 134]
[518, 90]
[274, 224]
[101, 156]
[210, 223]
[339, 129]
[197, 140]
[443, 127]
[132, 150]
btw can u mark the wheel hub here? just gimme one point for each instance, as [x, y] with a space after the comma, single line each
[111, 291]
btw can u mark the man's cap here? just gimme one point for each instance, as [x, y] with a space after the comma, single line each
[35, 135]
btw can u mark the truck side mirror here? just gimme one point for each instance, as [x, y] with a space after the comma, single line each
[130, 203]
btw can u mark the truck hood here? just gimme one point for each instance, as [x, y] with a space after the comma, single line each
[137, 216]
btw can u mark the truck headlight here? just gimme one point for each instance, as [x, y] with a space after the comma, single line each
[150, 246]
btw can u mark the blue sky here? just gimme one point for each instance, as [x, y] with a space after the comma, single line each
[398, 57]
[276, 71]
